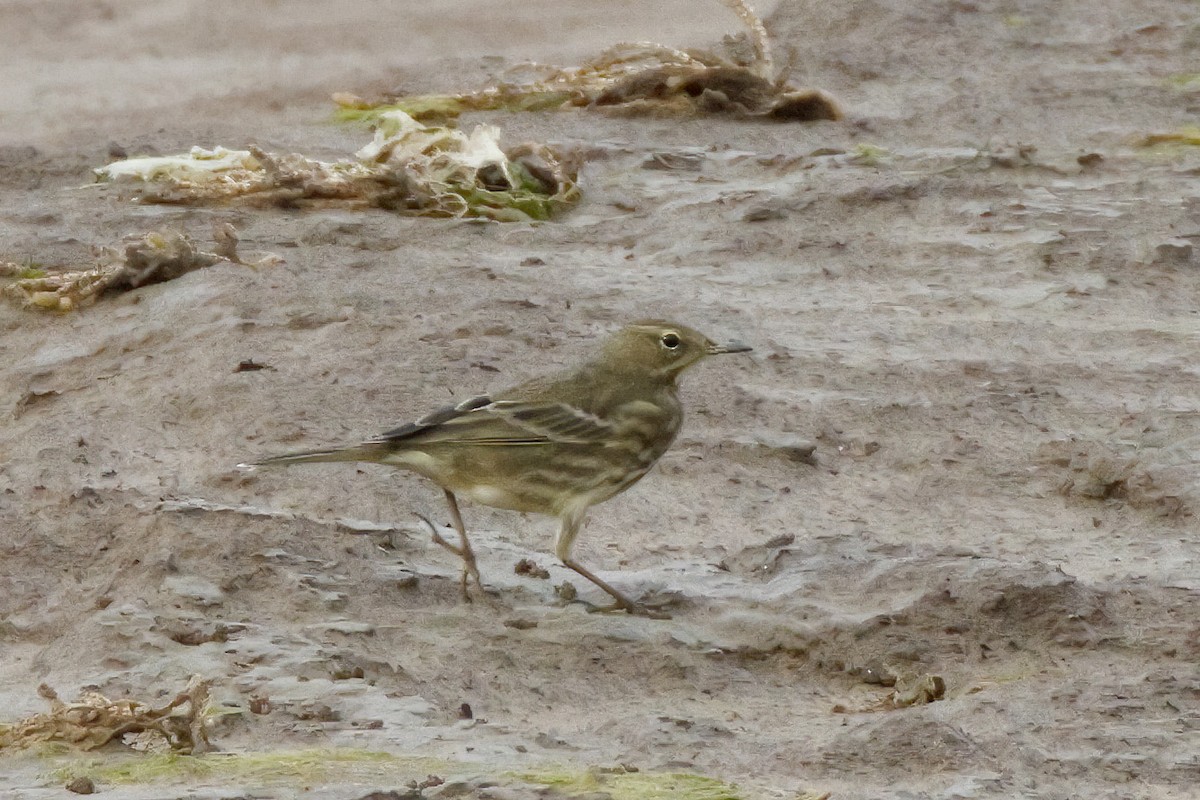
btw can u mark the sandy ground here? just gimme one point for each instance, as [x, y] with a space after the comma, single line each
[989, 342]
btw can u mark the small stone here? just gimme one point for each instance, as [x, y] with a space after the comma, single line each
[250, 365]
[520, 624]
[919, 691]
[764, 212]
[806, 105]
[528, 567]
[347, 672]
[82, 785]
[878, 674]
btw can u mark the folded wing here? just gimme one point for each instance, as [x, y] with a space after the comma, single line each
[483, 421]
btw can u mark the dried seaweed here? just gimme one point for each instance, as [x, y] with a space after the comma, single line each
[1103, 472]
[151, 258]
[907, 690]
[917, 691]
[94, 720]
[408, 167]
[641, 78]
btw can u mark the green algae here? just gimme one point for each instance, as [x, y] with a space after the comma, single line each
[634, 785]
[306, 766]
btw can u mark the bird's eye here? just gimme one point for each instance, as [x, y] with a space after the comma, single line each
[670, 340]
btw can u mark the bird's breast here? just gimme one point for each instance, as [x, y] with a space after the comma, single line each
[647, 427]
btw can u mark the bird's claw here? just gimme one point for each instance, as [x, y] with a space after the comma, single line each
[631, 608]
[469, 569]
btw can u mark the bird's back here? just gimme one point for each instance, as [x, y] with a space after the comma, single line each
[548, 445]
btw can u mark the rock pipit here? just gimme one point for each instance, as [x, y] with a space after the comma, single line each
[554, 445]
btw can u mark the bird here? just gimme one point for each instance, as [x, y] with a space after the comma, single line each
[554, 445]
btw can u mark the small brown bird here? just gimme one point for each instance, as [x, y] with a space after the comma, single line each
[554, 445]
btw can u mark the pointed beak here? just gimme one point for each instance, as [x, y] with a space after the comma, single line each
[728, 347]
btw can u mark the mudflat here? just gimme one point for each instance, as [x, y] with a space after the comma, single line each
[935, 537]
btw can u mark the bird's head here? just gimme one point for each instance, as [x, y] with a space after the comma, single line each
[662, 349]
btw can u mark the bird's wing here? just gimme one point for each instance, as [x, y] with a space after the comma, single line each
[483, 421]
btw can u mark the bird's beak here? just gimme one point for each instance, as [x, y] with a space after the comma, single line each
[728, 347]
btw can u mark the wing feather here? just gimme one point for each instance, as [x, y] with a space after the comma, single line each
[483, 421]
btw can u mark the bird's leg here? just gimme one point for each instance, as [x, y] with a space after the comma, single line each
[463, 550]
[562, 548]
[437, 539]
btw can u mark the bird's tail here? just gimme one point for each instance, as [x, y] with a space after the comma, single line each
[362, 452]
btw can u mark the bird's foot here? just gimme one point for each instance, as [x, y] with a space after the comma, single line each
[469, 569]
[650, 611]
[621, 602]
[469, 572]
